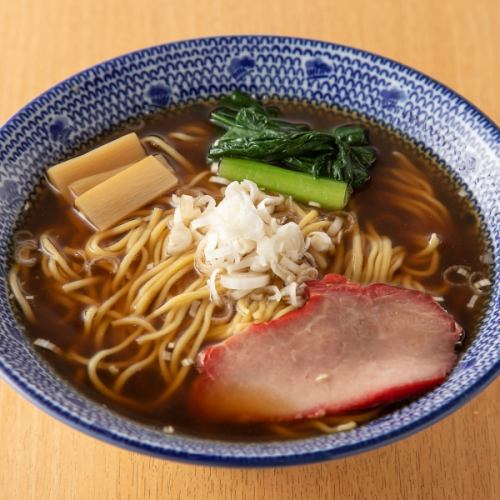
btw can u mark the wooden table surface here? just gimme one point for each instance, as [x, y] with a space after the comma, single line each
[44, 41]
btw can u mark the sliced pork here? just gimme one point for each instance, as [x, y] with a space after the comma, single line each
[350, 347]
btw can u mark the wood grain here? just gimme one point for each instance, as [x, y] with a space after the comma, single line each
[45, 41]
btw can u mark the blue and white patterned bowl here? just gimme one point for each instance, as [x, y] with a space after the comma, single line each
[77, 110]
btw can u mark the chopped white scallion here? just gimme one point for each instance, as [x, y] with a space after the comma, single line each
[479, 284]
[113, 370]
[486, 258]
[335, 226]
[244, 281]
[314, 204]
[320, 241]
[216, 179]
[472, 301]
[275, 293]
[212, 286]
[46, 344]
[171, 345]
[434, 239]
[290, 292]
[240, 245]
[457, 275]
[348, 426]
[187, 362]
[179, 239]
[166, 355]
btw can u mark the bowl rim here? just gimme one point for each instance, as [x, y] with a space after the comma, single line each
[135, 444]
[485, 118]
[347, 450]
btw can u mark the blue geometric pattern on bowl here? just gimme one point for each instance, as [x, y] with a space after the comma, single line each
[56, 124]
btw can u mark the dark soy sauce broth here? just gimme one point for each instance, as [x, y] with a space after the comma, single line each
[462, 243]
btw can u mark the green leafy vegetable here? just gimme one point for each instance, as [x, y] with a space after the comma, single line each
[329, 194]
[255, 131]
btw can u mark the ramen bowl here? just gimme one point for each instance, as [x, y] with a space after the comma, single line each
[89, 105]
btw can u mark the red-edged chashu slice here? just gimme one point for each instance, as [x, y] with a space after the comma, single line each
[350, 347]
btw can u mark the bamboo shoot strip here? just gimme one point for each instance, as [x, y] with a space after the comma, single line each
[84, 184]
[115, 198]
[329, 194]
[118, 153]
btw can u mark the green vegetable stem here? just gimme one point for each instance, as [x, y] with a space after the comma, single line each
[328, 193]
